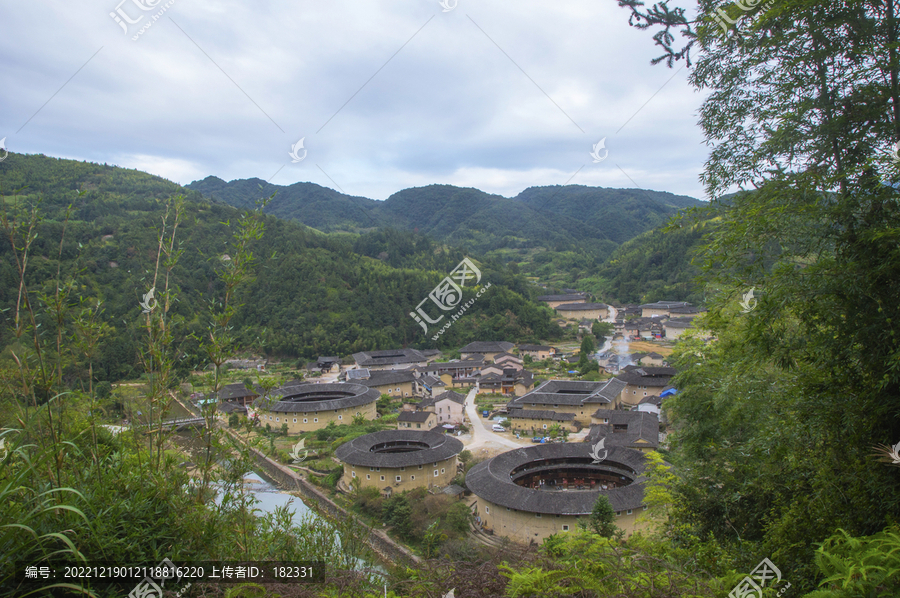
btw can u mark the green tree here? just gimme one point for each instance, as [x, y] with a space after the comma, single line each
[602, 517]
[602, 329]
[801, 273]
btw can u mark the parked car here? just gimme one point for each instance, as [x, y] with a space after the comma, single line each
[541, 439]
[498, 428]
[485, 413]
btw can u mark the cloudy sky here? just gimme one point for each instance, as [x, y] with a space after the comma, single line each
[385, 95]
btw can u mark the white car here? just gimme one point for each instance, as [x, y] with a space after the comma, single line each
[498, 428]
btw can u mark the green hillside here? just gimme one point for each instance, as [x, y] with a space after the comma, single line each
[314, 294]
[656, 265]
[559, 233]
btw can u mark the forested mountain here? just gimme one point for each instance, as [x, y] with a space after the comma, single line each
[584, 224]
[657, 265]
[313, 293]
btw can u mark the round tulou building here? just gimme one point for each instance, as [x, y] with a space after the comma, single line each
[530, 493]
[398, 460]
[306, 407]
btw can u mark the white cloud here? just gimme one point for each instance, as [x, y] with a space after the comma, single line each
[242, 82]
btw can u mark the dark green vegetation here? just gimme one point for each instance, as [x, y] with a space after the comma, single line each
[779, 425]
[313, 294]
[560, 234]
[656, 265]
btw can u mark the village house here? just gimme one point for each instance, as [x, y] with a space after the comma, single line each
[531, 493]
[509, 382]
[449, 407]
[537, 352]
[553, 301]
[640, 382]
[418, 420]
[238, 393]
[650, 404]
[398, 460]
[588, 311]
[396, 383]
[455, 369]
[394, 359]
[508, 361]
[637, 430]
[662, 308]
[539, 420]
[325, 365]
[485, 349]
[676, 327]
[577, 397]
[652, 358]
[427, 385]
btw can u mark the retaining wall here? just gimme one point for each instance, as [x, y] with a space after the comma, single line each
[287, 479]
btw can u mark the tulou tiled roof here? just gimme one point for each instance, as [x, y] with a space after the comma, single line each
[570, 392]
[570, 297]
[492, 479]
[646, 376]
[389, 357]
[535, 347]
[380, 378]
[540, 414]
[364, 451]
[581, 306]
[306, 398]
[488, 347]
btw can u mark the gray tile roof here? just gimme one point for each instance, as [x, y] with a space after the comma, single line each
[534, 347]
[414, 416]
[380, 378]
[646, 376]
[492, 479]
[306, 398]
[572, 297]
[540, 414]
[651, 400]
[641, 425]
[453, 396]
[487, 347]
[236, 391]
[666, 304]
[433, 447]
[580, 306]
[358, 374]
[389, 357]
[570, 392]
